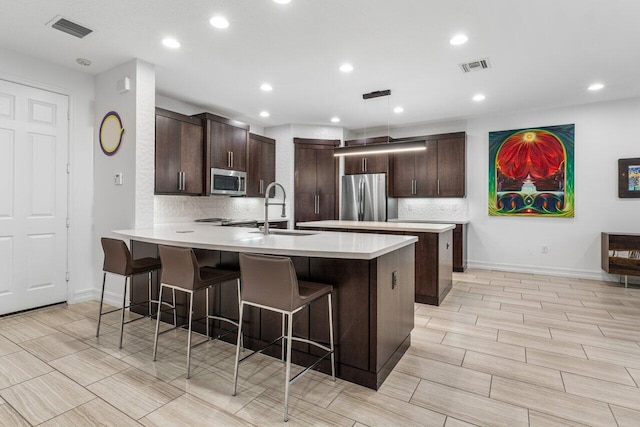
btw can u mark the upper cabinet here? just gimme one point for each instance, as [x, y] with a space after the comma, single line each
[366, 163]
[179, 154]
[261, 164]
[226, 141]
[437, 172]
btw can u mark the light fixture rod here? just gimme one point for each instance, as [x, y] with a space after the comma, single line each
[376, 94]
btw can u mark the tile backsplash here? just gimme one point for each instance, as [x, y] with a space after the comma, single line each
[186, 209]
[434, 209]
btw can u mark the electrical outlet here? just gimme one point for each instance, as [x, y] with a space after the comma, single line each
[394, 279]
[544, 249]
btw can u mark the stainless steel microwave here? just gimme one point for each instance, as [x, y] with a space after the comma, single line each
[228, 182]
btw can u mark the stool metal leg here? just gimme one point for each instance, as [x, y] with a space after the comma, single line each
[235, 369]
[189, 339]
[288, 366]
[150, 308]
[155, 339]
[124, 305]
[207, 312]
[104, 279]
[175, 316]
[333, 357]
[282, 342]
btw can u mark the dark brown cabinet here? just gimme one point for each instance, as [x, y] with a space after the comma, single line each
[179, 167]
[316, 179]
[460, 248]
[378, 163]
[261, 165]
[437, 172]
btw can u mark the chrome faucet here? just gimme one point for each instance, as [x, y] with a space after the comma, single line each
[267, 204]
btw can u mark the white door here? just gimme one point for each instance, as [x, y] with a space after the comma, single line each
[33, 197]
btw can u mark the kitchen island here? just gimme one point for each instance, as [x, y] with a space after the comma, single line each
[372, 276]
[433, 257]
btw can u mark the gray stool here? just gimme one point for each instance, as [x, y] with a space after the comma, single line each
[118, 260]
[270, 282]
[181, 272]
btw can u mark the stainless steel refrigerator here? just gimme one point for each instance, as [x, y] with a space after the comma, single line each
[364, 198]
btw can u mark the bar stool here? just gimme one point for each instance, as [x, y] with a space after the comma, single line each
[181, 272]
[270, 282]
[118, 260]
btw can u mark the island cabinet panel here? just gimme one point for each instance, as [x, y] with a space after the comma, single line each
[460, 248]
[261, 165]
[179, 161]
[366, 163]
[372, 311]
[316, 180]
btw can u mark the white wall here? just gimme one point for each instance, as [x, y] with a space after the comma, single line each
[129, 205]
[604, 132]
[79, 86]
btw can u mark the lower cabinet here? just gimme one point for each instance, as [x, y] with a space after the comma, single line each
[460, 248]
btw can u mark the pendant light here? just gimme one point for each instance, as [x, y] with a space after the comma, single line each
[379, 148]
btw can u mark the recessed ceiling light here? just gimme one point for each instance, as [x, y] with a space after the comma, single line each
[266, 87]
[479, 97]
[596, 86]
[458, 39]
[171, 43]
[346, 68]
[219, 22]
[335, 119]
[398, 110]
[264, 114]
[282, 1]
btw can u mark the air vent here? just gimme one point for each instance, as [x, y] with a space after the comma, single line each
[480, 64]
[69, 27]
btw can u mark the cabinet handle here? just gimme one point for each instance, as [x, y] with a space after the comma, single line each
[316, 207]
[179, 181]
[362, 167]
[365, 164]
[184, 181]
[232, 159]
[438, 185]
[261, 187]
[229, 159]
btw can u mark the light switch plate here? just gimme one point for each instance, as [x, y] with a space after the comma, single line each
[117, 179]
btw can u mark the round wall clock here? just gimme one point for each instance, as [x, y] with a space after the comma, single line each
[111, 132]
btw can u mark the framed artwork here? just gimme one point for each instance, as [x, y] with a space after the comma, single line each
[629, 177]
[531, 172]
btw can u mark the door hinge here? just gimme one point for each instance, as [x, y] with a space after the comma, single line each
[68, 222]
[68, 276]
[68, 168]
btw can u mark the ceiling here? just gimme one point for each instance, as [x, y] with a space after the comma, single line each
[543, 53]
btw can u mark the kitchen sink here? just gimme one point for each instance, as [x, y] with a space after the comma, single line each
[286, 233]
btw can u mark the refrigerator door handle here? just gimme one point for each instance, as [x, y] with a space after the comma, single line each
[361, 197]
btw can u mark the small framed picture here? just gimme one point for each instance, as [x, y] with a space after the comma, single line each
[629, 177]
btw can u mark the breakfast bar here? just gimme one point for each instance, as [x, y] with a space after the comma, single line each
[373, 290]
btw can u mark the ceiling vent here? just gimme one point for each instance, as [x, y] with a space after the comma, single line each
[69, 27]
[480, 64]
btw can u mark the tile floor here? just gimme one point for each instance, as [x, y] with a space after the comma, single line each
[504, 349]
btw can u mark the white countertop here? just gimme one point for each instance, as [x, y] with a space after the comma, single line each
[240, 239]
[382, 226]
[431, 221]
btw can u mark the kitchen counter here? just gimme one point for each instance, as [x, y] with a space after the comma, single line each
[433, 252]
[293, 243]
[373, 286]
[377, 225]
[431, 221]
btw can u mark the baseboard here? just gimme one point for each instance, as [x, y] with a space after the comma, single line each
[84, 295]
[550, 271]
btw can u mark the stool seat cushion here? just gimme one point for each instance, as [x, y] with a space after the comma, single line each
[210, 276]
[310, 291]
[143, 265]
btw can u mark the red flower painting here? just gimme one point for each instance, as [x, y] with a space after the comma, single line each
[537, 154]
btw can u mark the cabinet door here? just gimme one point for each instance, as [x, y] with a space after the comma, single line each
[326, 207]
[305, 207]
[219, 152]
[426, 171]
[192, 157]
[451, 167]
[305, 170]
[237, 144]
[168, 133]
[403, 174]
[254, 167]
[378, 163]
[325, 172]
[353, 165]
[268, 166]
